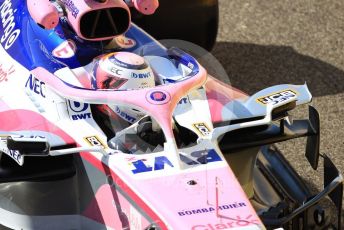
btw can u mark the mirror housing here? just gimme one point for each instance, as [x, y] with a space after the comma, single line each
[146, 7]
[44, 13]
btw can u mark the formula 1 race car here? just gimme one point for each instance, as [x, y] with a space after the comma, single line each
[104, 127]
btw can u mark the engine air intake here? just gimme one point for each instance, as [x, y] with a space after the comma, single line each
[104, 23]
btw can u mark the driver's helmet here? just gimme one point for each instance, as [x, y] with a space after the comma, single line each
[122, 71]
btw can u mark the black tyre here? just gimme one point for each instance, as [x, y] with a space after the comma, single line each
[195, 21]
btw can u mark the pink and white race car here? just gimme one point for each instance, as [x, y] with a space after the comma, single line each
[103, 127]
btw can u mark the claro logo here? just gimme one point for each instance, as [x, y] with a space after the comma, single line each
[10, 34]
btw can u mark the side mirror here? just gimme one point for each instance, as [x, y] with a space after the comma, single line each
[44, 13]
[29, 145]
[146, 7]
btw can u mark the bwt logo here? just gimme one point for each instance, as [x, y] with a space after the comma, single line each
[77, 107]
[160, 162]
[82, 116]
[80, 109]
[124, 115]
[141, 75]
[10, 34]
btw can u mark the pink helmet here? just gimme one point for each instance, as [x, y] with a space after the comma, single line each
[122, 71]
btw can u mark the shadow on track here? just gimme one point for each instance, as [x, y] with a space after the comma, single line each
[253, 67]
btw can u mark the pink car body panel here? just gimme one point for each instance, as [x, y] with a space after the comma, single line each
[18, 122]
[216, 200]
[102, 210]
[176, 206]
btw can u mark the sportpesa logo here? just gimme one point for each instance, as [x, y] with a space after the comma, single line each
[10, 34]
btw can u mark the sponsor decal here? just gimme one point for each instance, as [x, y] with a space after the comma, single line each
[131, 159]
[190, 65]
[278, 97]
[80, 109]
[116, 71]
[82, 116]
[14, 154]
[77, 107]
[48, 53]
[125, 116]
[195, 158]
[159, 164]
[200, 157]
[28, 137]
[141, 75]
[5, 73]
[10, 33]
[202, 129]
[125, 42]
[66, 49]
[144, 85]
[95, 141]
[158, 97]
[36, 86]
[167, 81]
[70, 5]
[234, 222]
[183, 101]
[211, 209]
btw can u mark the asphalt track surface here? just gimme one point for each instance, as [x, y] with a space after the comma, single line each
[263, 43]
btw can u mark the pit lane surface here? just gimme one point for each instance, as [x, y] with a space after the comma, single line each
[263, 43]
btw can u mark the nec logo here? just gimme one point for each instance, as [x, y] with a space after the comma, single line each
[160, 162]
[36, 86]
[116, 71]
